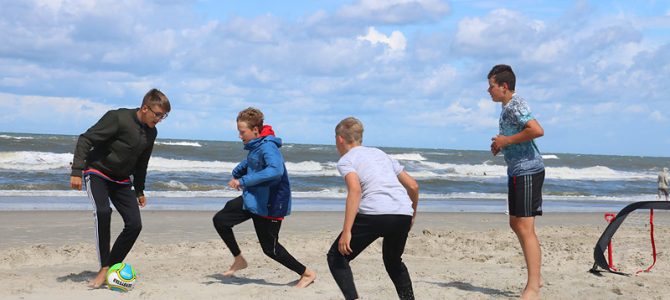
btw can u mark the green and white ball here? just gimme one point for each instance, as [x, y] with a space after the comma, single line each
[121, 277]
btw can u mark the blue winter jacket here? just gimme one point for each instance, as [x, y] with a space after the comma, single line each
[264, 179]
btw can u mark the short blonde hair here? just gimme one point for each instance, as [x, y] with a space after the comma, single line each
[156, 97]
[252, 116]
[351, 130]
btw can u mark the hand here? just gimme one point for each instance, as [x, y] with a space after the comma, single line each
[494, 150]
[499, 142]
[234, 184]
[75, 182]
[343, 244]
[142, 200]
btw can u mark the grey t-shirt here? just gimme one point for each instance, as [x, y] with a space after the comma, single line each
[523, 158]
[663, 180]
[382, 192]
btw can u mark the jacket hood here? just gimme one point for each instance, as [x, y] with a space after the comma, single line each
[255, 143]
[267, 130]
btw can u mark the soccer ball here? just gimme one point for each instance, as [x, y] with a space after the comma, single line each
[121, 277]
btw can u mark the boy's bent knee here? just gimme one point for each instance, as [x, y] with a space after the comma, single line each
[270, 252]
[334, 259]
[220, 221]
[134, 227]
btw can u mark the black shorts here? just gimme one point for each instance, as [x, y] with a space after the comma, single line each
[524, 195]
[662, 190]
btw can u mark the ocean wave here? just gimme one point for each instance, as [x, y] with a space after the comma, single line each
[189, 144]
[42, 161]
[417, 166]
[34, 161]
[596, 173]
[408, 156]
[600, 173]
[9, 137]
[161, 164]
[549, 156]
[312, 168]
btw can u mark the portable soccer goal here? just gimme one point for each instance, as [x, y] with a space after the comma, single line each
[630, 241]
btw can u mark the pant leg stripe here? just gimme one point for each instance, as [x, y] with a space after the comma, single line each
[529, 194]
[95, 218]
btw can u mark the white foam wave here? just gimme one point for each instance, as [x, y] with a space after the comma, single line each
[34, 161]
[598, 173]
[408, 156]
[41, 161]
[189, 144]
[447, 170]
[595, 173]
[549, 156]
[175, 184]
[46, 161]
[312, 168]
[9, 137]
[161, 164]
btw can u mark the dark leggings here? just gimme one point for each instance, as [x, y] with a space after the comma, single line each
[101, 191]
[267, 231]
[366, 229]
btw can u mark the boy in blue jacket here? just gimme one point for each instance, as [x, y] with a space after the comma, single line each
[266, 196]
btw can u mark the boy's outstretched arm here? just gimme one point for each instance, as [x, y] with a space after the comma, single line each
[412, 188]
[532, 130]
[350, 211]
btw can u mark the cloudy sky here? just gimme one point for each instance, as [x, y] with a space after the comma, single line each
[596, 73]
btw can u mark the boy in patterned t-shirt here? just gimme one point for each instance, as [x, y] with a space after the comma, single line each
[525, 169]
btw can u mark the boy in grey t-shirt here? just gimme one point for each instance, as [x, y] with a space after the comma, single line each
[525, 169]
[381, 202]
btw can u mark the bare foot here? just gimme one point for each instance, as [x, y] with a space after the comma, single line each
[99, 279]
[306, 279]
[530, 294]
[239, 264]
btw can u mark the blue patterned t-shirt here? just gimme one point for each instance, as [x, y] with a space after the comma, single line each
[523, 158]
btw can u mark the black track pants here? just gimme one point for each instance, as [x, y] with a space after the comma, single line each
[366, 229]
[101, 191]
[267, 231]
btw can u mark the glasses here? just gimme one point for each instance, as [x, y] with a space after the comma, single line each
[157, 115]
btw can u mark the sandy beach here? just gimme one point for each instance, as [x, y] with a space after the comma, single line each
[51, 254]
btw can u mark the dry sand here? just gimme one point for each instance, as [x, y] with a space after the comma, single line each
[51, 255]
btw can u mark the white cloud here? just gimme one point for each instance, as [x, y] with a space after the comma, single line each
[394, 11]
[500, 30]
[547, 52]
[438, 81]
[479, 116]
[657, 116]
[396, 42]
[49, 112]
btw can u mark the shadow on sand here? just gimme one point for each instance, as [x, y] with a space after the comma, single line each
[471, 288]
[218, 278]
[83, 276]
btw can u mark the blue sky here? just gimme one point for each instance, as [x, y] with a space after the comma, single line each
[414, 71]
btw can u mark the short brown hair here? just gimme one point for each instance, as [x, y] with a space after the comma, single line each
[252, 116]
[351, 130]
[503, 74]
[156, 97]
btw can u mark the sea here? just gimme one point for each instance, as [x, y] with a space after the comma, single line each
[193, 175]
